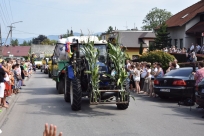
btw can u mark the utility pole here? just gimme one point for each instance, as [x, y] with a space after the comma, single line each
[0, 36]
[11, 27]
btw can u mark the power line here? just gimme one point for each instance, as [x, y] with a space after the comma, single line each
[6, 10]
[4, 14]
[26, 32]
[11, 10]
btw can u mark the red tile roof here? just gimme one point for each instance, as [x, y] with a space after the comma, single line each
[199, 28]
[186, 15]
[16, 51]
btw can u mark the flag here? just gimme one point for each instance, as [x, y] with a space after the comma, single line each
[68, 49]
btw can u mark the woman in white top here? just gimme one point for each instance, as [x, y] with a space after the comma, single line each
[136, 77]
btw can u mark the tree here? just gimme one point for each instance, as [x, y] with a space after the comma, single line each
[48, 42]
[155, 18]
[25, 43]
[14, 42]
[110, 29]
[162, 37]
[39, 39]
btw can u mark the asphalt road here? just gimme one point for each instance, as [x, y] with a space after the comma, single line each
[38, 103]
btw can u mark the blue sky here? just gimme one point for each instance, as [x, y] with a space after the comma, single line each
[54, 17]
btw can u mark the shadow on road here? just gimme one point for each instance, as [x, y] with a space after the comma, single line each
[188, 112]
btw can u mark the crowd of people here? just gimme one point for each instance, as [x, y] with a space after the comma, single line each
[141, 75]
[196, 48]
[12, 75]
[190, 52]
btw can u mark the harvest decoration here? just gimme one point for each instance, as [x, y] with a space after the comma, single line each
[91, 55]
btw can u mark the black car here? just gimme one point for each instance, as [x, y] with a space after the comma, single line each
[176, 83]
[200, 94]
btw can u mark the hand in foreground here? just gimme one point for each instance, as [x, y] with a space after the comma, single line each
[52, 131]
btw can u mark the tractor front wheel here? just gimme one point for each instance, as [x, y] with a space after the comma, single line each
[75, 94]
[122, 106]
[61, 86]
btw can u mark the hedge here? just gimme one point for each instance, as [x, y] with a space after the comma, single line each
[158, 56]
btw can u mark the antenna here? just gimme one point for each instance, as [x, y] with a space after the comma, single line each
[126, 26]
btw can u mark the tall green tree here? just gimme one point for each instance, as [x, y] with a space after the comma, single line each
[39, 39]
[14, 42]
[25, 43]
[162, 37]
[110, 29]
[155, 18]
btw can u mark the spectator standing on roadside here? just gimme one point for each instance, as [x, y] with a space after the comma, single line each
[188, 56]
[22, 74]
[176, 61]
[136, 77]
[16, 80]
[169, 69]
[198, 48]
[128, 64]
[160, 72]
[193, 56]
[2, 85]
[199, 74]
[147, 88]
[192, 47]
[202, 49]
[143, 74]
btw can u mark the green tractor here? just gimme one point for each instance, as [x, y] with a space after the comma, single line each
[93, 70]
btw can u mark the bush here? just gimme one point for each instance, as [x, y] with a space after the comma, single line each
[158, 56]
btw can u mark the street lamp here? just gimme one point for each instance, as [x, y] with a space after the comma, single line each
[13, 27]
[16, 22]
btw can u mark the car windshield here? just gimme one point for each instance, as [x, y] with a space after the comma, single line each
[179, 72]
[102, 52]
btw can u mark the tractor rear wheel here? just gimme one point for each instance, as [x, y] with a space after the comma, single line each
[75, 94]
[49, 74]
[66, 89]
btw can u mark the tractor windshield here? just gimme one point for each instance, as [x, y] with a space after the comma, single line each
[102, 52]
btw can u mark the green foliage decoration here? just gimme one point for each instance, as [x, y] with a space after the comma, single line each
[118, 57]
[91, 54]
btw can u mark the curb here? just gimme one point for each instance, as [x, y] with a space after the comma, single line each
[5, 111]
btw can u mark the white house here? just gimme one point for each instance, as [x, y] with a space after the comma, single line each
[187, 26]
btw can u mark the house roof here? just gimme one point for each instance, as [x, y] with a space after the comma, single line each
[196, 28]
[186, 15]
[132, 38]
[16, 51]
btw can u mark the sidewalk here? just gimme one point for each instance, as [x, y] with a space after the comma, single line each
[11, 100]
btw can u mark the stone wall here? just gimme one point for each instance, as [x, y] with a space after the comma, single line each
[42, 49]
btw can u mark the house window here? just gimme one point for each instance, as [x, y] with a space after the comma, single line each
[134, 57]
[175, 42]
[170, 42]
[181, 43]
[202, 17]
